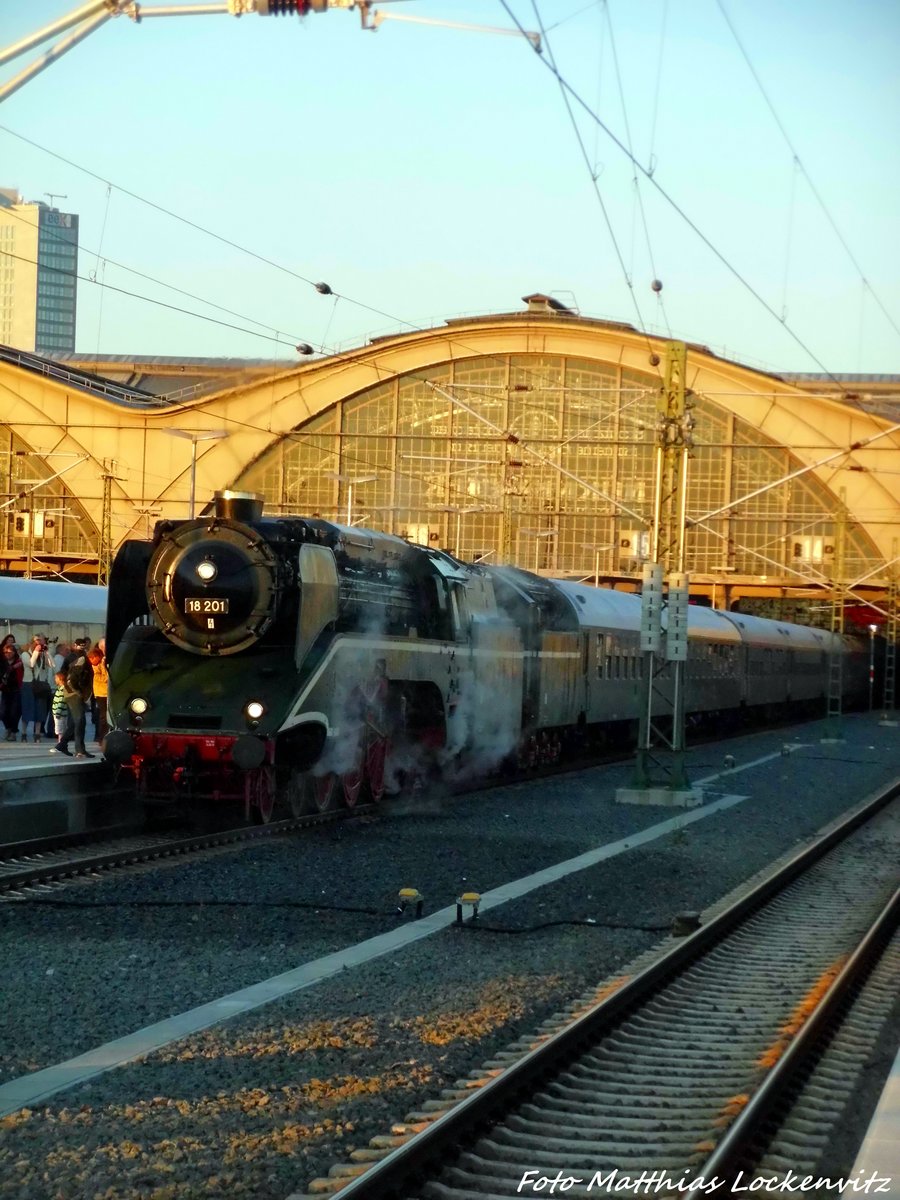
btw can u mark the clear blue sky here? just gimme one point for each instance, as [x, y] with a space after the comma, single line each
[429, 173]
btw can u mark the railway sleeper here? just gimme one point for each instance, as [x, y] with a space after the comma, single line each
[679, 1143]
[619, 1106]
[620, 1069]
[686, 1090]
[627, 1157]
[368, 1155]
[666, 1121]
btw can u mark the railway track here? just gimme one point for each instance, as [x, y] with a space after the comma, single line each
[30, 868]
[48, 862]
[43, 863]
[685, 1071]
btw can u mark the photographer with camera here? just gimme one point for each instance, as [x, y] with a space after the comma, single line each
[43, 669]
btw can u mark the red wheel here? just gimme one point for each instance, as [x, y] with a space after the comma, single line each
[352, 782]
[325, 791]
[375, 760]
[352, 779]
[260, 791]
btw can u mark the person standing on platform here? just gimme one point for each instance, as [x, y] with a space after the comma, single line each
[70, 653]
[61, 716]
[79, 688]
[101, 686]
[11, 672]
[11, 676]
[79, 650]
[43, 670]
[26, 694]
[58, 651]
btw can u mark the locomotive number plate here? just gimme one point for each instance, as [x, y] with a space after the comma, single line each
[206, 606]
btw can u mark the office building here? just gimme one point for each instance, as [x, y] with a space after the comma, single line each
[38, 275]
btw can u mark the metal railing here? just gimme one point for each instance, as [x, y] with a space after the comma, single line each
[100, 387]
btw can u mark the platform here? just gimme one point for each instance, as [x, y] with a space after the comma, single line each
[42, 794]
[21, 760]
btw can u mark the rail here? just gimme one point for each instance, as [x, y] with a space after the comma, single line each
[409, 1168]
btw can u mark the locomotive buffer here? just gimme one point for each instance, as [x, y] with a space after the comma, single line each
[659, 770]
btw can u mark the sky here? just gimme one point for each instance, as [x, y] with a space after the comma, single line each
[742, 152]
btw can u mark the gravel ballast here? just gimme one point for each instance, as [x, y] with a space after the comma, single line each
[261, 1104]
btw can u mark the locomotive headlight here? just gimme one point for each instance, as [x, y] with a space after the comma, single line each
[207, 571]
[138, 706]
[255, 710]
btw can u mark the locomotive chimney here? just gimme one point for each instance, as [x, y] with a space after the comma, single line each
[238, 506]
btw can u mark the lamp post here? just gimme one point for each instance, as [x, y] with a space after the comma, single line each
[148, 514]
[598, 550]
[872, 630]
[351, 481]
[30, 514]
[460, 513]
[207, 435]
[537, 534]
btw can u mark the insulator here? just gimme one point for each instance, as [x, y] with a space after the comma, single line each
[282, 8]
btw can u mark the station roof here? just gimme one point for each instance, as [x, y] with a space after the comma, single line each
[158, 380]
[119, 408]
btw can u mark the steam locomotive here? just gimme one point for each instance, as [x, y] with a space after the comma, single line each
[294, 661]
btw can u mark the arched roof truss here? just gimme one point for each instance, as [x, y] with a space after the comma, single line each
[569, 399]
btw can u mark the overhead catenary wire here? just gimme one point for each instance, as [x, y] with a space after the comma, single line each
[99, 267]
[320, 287]
[149, 300]
[92, 277]
[635, 180]
[280, 266]
[799, 164]
[651, 157]
[204, 229]
[629, 282]
[788, 241]
[692, 225]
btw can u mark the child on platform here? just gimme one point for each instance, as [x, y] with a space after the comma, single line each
[60, 710]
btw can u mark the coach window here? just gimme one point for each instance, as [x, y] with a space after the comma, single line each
[599, 649]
